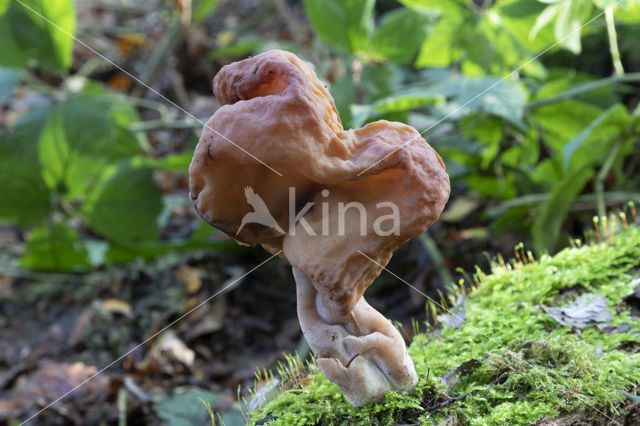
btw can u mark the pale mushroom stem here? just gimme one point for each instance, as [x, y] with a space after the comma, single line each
[361, 352]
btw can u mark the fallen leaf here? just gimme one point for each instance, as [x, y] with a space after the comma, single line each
[459, 208]
[171, 345]
[117, 306]
[634, 398]
[458, 314]
[265, 393]
[613, 329]
[451, 379]
[589, 309]
[190, 278]
[51, 381]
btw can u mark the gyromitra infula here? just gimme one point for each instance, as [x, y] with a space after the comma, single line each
[275, 167]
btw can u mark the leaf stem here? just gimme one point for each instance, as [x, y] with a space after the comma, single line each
[602, 174]
[613, 40]
[581, 89]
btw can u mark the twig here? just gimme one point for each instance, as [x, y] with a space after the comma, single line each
[167, 43]
[613, 197]
[154, 125]
[122, 406]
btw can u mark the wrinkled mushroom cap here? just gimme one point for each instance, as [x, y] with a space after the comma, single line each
[275, 111]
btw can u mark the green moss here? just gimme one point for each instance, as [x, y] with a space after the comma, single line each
[530, 366]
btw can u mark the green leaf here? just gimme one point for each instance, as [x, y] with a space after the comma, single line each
[492, 95]
[202, 9]
[518, 17]
[562, 121]
[4, 4]
[345, 23]
[502, 98]
[82, 135]
[445, 7]
[55, 248]
[571, 15]
[594, 141]
[24, 198]
[548, 223]
[344, 95]
[124, 205]
[8, 79]
[399, 35]
[40, 30]
[441, 48]
[118, 253]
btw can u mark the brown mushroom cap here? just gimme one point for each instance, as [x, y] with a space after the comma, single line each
[275, 108]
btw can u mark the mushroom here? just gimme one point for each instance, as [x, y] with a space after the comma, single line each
[275, 167]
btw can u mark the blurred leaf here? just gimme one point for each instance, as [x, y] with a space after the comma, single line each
[548, 223]
[518, 17]
[443, 6]
[400, 34]
[27, 36]
[563, 121]
[118, 253]
[628, 11]
[459, 208]
[344, 95]
[80, 138]
[345, 23]
[24, 198]
[494, 48]
[185, 408]
[632, 397]
[442, 46]
[124, 205]
[8, 79]
[202, 9]
[3, 6]
[378, 80]
[569, 20]
[237, 49]
[569, 16]
[595, 140]
[503, 98]
[56, 248]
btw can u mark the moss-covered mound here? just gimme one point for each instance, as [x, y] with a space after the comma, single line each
[515, 363]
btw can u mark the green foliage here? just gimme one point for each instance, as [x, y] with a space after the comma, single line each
[529, 137]
[568, 16]
[25, 197]
[77, 157]
[40, 30]
[124, 204]
[345, 23]
[400, 35]
[54, 247]
[512, 129]
[8, 79]
[202, 9]
[528, 366]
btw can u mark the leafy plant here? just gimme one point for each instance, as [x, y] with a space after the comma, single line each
[529, 137]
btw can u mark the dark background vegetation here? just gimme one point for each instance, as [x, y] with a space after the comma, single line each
[100, 248]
